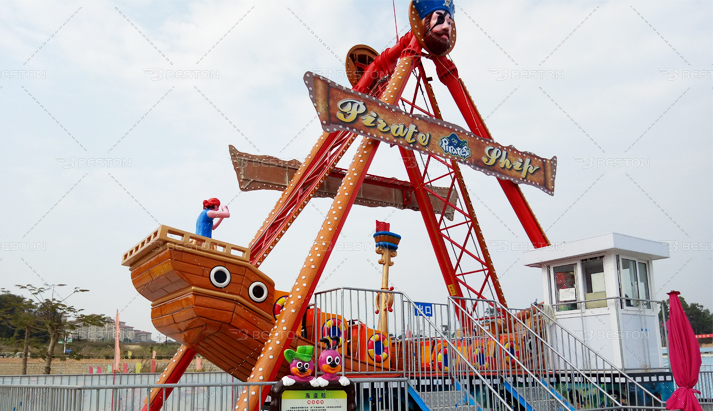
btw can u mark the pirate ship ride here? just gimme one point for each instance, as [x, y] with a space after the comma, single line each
[183, 278]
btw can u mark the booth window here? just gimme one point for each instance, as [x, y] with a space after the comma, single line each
[634, 282]
[644, 283]
[595, 287]
[566, 289]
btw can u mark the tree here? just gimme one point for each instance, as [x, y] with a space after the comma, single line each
[59, 318]
[8, 306]
[701, 318]
[18, 314]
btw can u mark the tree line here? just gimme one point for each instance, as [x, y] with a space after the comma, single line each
[42, 319]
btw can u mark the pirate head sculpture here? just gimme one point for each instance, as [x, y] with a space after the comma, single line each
[433, 25]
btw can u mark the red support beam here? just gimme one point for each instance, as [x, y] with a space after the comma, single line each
[173, 372]
[448, 74]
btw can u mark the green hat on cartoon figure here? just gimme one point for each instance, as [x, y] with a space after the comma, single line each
[303, 353]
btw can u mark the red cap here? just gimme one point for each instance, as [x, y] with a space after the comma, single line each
[211, 202]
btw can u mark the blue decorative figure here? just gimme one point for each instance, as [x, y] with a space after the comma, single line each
[211, 210]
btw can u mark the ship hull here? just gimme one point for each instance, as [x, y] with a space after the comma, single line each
[205, 297]
[222, 330]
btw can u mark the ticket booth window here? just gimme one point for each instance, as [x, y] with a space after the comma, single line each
[594, 286]
[565, 286]
[643, 273]
[634, 282]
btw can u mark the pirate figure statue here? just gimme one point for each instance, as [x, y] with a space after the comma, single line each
[433, 25]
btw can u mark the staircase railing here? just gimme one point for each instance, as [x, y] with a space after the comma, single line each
[597, 366]
[496, 338]
[531, 334]
[415, 337]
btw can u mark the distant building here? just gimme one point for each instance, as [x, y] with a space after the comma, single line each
[107, 333]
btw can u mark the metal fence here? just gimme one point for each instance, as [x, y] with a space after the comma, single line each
[117, 379]
[409, 340]
[371, 394]
[705, 385]
[597, 367]
[532, 344]
[638, 324]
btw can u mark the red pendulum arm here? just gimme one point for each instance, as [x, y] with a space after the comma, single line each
[173, 372]
[448, 74]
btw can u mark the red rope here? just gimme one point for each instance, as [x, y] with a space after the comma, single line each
[393, 2]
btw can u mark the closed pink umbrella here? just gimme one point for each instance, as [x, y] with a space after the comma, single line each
[684, 357]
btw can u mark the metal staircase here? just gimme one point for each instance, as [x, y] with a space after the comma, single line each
[470, 355]
[416, 337]
[569, 370]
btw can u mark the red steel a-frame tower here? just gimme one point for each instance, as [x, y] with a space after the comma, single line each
[458, 243]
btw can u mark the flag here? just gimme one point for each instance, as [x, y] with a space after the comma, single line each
[382, 226]
[117, 348]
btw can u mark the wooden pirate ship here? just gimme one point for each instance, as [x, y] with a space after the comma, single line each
[206, 295]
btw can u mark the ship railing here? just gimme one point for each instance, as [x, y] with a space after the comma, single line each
[415, 337]
[582, 374]
[174, 238]
[371, 393]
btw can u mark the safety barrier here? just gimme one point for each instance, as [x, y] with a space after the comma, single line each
[569, 367]
[597, 367]
[377, 394]
[414, 343]
[705, 385]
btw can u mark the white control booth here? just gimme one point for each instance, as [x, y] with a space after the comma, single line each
[602, 290]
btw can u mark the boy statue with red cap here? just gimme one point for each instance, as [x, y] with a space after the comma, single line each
[211, 210]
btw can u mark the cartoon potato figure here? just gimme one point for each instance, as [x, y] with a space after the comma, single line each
[433, 25]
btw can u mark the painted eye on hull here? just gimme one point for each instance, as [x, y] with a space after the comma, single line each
[336, 360]
[220, 276]
[258, 292]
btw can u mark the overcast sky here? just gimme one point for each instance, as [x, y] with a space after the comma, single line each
[620, 92]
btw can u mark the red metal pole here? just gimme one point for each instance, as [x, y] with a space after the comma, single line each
[171, 375]
[448, 74]
[283, 333]
[429, 220]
